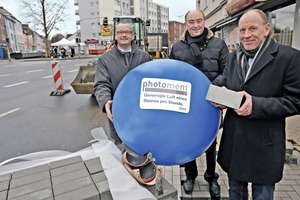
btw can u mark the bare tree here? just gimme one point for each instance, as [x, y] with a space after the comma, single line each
[45, 16]
[57, 37]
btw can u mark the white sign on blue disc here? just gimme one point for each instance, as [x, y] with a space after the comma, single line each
[160, 107]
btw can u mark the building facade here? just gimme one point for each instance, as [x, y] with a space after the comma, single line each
[13, 29]
[222, 17]
[17, 37]
[92, 12]
[3, 32]
[28, 38]
[175, 30]
[159, 18]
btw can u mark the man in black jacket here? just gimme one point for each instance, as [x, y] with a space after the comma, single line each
[200, 48]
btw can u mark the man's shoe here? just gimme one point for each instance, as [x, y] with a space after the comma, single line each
[214, 189]
[188, 186]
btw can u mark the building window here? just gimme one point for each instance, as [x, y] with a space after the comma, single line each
[283, 24]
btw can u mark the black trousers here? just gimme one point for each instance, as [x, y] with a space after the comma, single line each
[191, 170]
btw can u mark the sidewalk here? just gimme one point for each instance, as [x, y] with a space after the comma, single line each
[287, 189]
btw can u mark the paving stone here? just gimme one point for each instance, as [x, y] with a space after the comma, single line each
[288, 148]
[92, 161]
[3, 194]
[72, 185]
[94, 165]
[87, 193]
[4, 185]
[26, 189]
[25, 180]
[67, 168]
[281, 194]
[45, 194]
[67, 161]
[283, 188]
[99, 177]
[70, 176]
[104, 190]
[294, 195]
[31, 170]
[169, 192]
[297, 189]
[5, 177]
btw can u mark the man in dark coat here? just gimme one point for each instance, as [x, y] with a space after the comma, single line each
[252, 147]
[200, 48]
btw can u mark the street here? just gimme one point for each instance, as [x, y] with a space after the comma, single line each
[31, 120]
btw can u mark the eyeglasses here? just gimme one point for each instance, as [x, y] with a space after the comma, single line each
[126, 32]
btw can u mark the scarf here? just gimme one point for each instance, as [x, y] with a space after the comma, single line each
[244, 55]
[194, 44]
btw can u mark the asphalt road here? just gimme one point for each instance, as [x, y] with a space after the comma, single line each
[31, 120]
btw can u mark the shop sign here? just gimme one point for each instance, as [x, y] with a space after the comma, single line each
[91, 41]
[235, 6]
[106, 30]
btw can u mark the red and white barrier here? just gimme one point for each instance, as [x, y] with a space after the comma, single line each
[57, 76]
[58, 81]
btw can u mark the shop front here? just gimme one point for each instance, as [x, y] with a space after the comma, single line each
[281, 14]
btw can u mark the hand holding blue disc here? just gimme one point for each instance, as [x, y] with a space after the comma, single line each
[160, 107]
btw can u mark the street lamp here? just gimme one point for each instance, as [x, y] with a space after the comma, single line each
[179, 17]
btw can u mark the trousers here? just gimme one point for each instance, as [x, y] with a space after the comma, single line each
[238, 190]
[191, 170]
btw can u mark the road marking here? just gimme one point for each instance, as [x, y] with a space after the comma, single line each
[38, 70]
[15, 84]
[9, 112]
[2, 75]
[48, 76]
[75, 70]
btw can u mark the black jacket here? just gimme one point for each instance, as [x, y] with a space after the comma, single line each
[214, 53]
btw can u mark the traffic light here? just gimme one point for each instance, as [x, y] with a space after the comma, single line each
[148, 22]
[7, 40]
[105, 21]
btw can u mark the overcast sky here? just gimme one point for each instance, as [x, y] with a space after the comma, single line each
[177, 9]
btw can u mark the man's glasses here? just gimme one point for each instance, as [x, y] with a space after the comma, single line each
[126, 32]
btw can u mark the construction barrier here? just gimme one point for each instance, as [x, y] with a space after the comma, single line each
[96, 51]
[58, 81]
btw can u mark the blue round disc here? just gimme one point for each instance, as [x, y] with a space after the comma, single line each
[160, 107]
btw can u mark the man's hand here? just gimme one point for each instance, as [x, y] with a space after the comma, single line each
[108, 110]
[246, 108]
[221, 107]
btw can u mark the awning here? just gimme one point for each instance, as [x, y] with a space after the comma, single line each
[226, 22]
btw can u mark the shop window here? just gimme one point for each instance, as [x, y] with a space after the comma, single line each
[282, 21]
